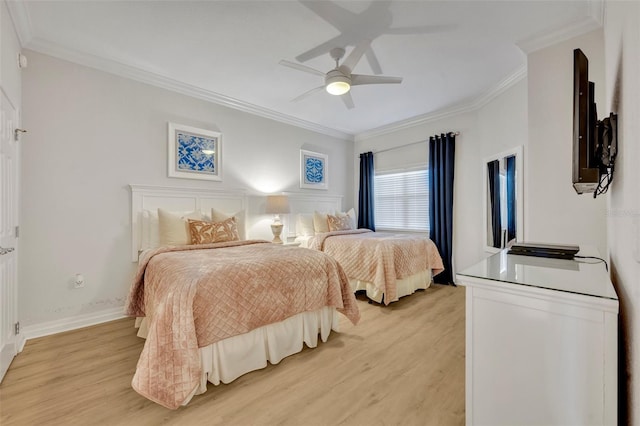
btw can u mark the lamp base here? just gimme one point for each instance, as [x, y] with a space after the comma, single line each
[276, 228]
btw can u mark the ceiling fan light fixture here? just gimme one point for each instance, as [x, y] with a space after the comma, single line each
[337, 83]
[338, 88]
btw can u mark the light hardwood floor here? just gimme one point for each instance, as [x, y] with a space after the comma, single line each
[402, 364]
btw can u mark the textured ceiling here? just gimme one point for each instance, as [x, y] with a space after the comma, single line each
[449, 53]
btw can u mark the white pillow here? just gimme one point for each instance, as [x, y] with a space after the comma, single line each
[304, 225]
[150, 237]
[218, 216]
[174, 229]
[320, 223]
[352, 215]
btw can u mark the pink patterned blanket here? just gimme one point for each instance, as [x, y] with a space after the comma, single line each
[196, 295]
[378, 257]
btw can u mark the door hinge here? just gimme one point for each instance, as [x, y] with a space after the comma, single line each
[17, 231]
[16, 327]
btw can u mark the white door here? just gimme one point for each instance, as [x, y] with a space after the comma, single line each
[8, 231]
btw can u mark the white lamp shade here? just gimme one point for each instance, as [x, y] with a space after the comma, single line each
[277, 204]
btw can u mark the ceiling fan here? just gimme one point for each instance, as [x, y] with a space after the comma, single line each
[375, 21]
[339, 80]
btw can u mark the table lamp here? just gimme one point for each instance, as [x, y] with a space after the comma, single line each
[277, 205]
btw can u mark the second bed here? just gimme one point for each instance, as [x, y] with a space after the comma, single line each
[387, 266]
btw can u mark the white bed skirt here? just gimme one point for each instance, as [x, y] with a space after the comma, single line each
[420, 281]
[404, 287]
[228, 359]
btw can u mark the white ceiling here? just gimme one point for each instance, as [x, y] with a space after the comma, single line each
[228, 51]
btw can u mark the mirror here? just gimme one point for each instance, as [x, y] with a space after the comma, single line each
[503, 198]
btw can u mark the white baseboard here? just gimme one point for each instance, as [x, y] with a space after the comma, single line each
[71, 323]
[21, 340]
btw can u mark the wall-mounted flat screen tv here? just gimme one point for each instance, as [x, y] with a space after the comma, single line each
[585, 168]
[595, 142]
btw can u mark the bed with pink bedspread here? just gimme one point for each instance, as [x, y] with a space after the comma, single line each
[386, 265]
[202, 302]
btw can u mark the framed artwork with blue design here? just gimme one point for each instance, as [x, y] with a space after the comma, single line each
[313, 170]
[194, 153]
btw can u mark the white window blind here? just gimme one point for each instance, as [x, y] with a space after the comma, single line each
[402, 200]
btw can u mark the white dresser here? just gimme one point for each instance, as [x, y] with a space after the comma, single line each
[541, 341]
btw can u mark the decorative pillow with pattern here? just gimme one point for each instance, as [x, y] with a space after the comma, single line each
[352, 215]
[203, 232]
[339, 223]
[219, 216]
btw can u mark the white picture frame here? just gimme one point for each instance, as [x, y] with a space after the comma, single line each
[313, 170]
[194, 153]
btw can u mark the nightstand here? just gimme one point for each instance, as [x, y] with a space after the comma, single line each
[292, 243]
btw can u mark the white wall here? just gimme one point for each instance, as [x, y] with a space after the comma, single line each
[502, 123]
[499, 125]
[90, 135]
[10, 79]
[554, 212]
[622, 69]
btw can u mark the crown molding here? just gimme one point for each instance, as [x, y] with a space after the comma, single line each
[593, 21]
[21, 20]
[22, 23]
[154, 79]
[502, 86]
[468, 105]
[123, 70]
[596, 11]
[414, 121]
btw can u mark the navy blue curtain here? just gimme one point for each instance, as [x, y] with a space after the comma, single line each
[441, 167]
[365, 193]
[511, 198]
[493, 174]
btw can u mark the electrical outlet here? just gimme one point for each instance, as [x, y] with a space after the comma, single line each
[79, 281]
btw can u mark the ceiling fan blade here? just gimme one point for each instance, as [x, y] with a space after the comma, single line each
[339, 17]
[348, 100]
[322, 49]
[373, 61]
[358, 79]
[355, 55]
[301, 67]
[307, 94]
[421, 29]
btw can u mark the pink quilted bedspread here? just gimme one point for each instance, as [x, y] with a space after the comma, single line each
[194, 296]
[378, 257]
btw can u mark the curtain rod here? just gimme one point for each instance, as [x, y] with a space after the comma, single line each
[411, 143]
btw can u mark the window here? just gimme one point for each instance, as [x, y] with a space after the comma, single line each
[402, 200]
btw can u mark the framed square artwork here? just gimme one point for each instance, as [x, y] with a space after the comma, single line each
[194, 153]
[313, 170]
